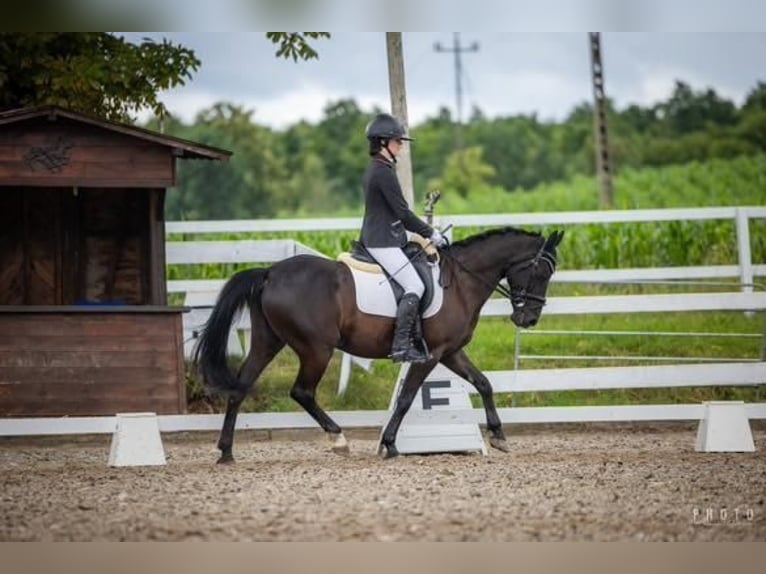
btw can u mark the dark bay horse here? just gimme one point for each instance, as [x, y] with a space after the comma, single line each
[308, 303]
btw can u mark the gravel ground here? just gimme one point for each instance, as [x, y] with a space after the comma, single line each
[627, 482]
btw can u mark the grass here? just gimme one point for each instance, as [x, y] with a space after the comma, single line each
[492, 349]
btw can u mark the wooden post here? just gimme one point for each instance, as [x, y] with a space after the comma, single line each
[603, 161]
[399, 109]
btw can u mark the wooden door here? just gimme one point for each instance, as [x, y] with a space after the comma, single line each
[30, 247]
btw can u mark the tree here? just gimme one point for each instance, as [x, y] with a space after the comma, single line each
[307, 190]
[103, 74]
[687, 111]
[340, 142]
[756, 99]
[752, 129]
[465, 171]
[295, 44]
[92, 72]
[250, 185]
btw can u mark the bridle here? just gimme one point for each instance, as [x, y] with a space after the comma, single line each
[518, 295]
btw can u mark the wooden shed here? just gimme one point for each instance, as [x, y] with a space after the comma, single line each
[85, 328]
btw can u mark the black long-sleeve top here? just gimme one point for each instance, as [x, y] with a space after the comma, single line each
[387, 214]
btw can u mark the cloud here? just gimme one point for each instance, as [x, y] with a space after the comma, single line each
[656, 83]
[306, 103]
[543, 74]
[549, 95]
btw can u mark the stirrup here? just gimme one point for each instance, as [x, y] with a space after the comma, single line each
[411, 355]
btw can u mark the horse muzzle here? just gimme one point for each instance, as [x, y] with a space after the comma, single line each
[522, 318]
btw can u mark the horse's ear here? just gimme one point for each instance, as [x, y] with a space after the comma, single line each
[554, 239]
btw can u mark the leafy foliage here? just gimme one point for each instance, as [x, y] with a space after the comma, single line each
[93, 72]
[673, 243]
[465, 171]
[103, 74]
[295, 45]
[505, 163]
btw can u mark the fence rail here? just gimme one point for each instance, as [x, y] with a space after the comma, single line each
[704, 374]
[200, 291]
[372, 419]
[745, 270]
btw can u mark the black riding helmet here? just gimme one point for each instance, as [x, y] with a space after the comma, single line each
[382, 129]
[386, 127]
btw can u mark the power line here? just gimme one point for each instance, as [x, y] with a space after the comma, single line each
[457, 49]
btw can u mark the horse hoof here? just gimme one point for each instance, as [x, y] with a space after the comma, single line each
[339, 444]
[387, 452]
[341, 450]
[499, 444]
[226, 457]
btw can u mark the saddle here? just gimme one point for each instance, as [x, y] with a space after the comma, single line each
[360, 258]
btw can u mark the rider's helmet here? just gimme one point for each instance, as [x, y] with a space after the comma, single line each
[386, 127]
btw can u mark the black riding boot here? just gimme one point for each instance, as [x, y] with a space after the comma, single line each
[403, 348]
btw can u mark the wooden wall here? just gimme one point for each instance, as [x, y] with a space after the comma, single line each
[39, 152]
[83, 325]
[57, 363]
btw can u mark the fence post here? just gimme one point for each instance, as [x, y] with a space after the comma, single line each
[516, 358]
[743, 250]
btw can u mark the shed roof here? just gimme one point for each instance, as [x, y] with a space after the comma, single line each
[181, 147]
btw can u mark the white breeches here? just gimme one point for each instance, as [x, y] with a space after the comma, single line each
[393, 260]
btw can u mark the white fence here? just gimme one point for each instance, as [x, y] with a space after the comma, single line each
[200, 294]
[617, 377]
[745, 270]
[734, 373]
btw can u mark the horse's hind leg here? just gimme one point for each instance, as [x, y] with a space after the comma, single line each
[313, 365]
[265, 345]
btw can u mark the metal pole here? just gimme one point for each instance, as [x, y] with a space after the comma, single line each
[457, 50]
[458, 76]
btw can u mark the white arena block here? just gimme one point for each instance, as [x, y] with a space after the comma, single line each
[724, 427]
[437, 394]
[136, 441]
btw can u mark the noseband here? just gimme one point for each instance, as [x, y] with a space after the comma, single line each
[519, 296]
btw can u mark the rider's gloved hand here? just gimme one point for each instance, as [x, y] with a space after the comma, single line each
[438, 239]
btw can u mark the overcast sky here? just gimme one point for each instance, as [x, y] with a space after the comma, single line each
[511, 73]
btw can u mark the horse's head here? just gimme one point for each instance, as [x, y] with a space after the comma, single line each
[528, 281]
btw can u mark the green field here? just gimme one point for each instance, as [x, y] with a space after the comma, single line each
[717, 183]
[492, 349]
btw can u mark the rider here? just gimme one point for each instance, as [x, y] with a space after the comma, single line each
[386, 218]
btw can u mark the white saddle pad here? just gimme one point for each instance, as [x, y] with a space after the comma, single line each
[375, 296]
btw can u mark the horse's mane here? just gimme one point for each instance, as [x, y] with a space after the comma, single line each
[468, 241]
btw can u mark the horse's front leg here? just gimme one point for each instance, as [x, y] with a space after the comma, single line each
[459, 363]
[415, 377]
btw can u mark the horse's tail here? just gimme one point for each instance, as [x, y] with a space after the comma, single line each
[210, 352]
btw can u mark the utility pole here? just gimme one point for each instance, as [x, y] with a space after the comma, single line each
[457, 50]
[399, 110]
[603, 161]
